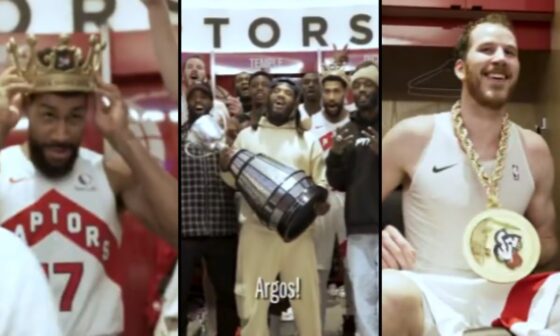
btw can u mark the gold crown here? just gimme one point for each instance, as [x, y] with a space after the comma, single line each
[58, 69]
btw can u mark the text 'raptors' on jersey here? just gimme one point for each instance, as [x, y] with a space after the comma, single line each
[72, 225]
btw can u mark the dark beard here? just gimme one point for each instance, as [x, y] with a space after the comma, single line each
[369, 104]
[473, 86]
[335, 115]
[37, 156]
[279, 119]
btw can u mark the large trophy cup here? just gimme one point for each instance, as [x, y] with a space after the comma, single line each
[281, 196]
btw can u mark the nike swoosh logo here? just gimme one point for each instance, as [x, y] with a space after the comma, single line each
[440, 169]
[14, 180]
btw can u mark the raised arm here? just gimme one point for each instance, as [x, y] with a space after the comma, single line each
[138, 179]
[166, 44]
[11, 89]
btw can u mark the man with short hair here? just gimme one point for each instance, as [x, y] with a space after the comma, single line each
[242, 90]
[353, 167]
[64, 200]
[323, 126]
[311, 93]
[426, 276]
[259, 90]
[194, 72]
[209, 219]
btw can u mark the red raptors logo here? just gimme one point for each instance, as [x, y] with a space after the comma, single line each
[54, 212]
[327, 141]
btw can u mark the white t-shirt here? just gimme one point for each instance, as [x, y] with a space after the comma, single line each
[324, 130]
[332, 223]
[26, 304]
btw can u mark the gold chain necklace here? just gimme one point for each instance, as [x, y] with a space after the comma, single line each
[499, 244]
[489, 182]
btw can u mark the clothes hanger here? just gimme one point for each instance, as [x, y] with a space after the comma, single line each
[417, 86]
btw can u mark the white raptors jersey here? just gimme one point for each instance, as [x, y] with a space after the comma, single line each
[332, 224]
[72, 226]
[324, 129]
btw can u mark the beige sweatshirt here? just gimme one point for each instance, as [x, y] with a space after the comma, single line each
[283, 144]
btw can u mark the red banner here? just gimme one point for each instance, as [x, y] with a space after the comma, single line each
[274, 63]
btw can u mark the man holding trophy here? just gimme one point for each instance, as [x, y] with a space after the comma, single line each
[477, 207]
[280, 171]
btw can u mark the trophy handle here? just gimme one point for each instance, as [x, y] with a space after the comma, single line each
[219, 148]
[215, 148]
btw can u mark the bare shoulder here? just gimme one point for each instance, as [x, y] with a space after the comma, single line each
[411, 130]
[538, 153]
[534, 143]
[403, 145]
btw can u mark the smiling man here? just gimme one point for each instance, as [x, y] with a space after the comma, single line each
[426, 277]
[209, 219]
[194, 72]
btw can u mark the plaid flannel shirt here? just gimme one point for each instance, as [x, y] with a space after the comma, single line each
[207, 203]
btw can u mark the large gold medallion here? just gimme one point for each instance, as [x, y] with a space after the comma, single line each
[501, 245]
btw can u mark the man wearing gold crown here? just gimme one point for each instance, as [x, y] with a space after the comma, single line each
[471, 166]
[64, 200]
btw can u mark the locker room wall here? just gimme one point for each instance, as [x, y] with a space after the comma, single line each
[393, 111]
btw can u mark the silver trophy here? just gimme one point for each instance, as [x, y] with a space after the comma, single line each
[206, 133]
[281, 196]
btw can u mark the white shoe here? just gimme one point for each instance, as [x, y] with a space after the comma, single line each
[287, 315]
[341, 292]
[332, 290]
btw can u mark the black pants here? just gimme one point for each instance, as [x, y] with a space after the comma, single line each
[220, 256]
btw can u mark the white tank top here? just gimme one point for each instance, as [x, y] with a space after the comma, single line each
[72, 226]
[445, 194]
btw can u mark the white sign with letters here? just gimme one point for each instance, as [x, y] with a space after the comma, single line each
[67, 16]
[303, 25]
